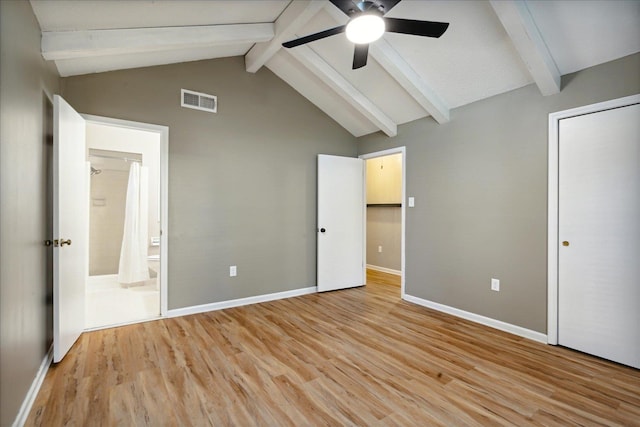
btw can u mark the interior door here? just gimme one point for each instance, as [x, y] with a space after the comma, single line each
[340, 222]
[70, 226]
[599, 234]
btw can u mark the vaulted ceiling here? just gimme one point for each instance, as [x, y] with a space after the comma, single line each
[490, 47]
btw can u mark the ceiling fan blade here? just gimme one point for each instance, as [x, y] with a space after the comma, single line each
[314, 37]
[360, 56]
[416, 28]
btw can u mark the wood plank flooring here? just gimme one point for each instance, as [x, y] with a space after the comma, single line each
[354, 357]
[380, 278]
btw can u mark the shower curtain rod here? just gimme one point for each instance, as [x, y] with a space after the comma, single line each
[105, 156]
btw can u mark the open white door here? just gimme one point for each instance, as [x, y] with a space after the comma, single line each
[70, 226]
[340, 222]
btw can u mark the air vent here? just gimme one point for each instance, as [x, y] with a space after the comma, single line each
[199, 101]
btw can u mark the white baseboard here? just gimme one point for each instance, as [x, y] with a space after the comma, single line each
[240, 302]
[384, 269]
[487, 321]
[27, 403]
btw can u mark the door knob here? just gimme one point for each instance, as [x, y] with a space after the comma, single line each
[48, 242]
[65, 242]
[322, 230]
[565, 243]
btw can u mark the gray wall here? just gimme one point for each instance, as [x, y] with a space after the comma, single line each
[25, 316]
[242, 183]
[384, 228]
[481, 198]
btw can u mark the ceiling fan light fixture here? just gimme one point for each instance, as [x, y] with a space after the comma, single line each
[365, 28]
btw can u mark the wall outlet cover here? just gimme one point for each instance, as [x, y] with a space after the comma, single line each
[495, 285]
[233, 271]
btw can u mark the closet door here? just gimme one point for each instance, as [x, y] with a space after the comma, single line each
[599, 234]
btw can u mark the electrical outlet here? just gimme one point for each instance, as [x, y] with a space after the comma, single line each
[379, 249]
[233, 271]
[495, 285]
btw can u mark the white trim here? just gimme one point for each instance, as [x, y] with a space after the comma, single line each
[31, 395]
[384, 269]
[403, 215]
[487, 321]
[177, 312]
[164, 193]
[552, 202]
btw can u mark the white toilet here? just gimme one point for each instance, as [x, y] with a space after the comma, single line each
[153, 262]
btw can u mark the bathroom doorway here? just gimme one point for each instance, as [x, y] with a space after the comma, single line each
[385, 217]
[126, 281]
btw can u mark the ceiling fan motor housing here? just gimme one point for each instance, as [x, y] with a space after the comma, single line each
[369, 6]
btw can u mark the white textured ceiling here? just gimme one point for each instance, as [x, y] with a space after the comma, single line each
[584, 33]
[490, 47]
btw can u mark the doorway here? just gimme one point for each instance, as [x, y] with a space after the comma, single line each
[127, 260]
[71, 177]
[385, 216]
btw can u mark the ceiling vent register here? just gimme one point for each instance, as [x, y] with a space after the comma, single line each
[199, 101]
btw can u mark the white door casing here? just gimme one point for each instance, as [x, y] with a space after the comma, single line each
[341, 223]
[70, 226]
[598, 276]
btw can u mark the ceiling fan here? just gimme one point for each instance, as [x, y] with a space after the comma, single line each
[367, 24]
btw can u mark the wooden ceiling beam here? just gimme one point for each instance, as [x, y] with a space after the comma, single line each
[412, 83]
[57, 45]
[521, 28]
[290, 70]
[328, 75]
[291, 20]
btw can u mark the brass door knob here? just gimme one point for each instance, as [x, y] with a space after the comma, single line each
[65, 242]
[565, 243]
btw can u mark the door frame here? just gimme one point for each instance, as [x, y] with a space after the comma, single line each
[397, 150]
[163, 132]
[553, 202]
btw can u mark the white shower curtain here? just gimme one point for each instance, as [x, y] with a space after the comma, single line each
[133, 255]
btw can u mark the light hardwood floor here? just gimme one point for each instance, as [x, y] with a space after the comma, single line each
[354, 357]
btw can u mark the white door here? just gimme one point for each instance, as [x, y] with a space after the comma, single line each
[599, 234]
[340, 222]
[70, 226]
